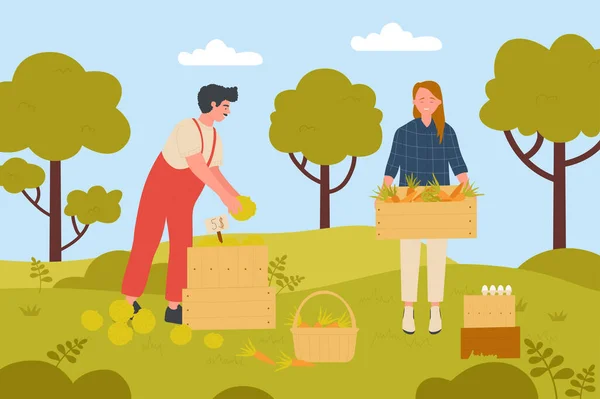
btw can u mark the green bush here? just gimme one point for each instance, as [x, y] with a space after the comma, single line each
[41, 380]
[106, 273]
[243, 392]
[569, 264]
[493, 380]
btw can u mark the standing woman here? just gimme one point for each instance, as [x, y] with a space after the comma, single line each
[424, 147]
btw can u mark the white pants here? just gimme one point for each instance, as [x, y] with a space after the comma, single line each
[410, 259]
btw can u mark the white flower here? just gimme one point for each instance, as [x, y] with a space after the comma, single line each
[484, 290]
[493, 290]
[508, 290]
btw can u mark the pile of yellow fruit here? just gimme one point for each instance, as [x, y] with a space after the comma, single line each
[120, 312]
[121, 333]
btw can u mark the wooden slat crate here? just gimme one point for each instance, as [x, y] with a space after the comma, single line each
[228, 266]
[229, 308]
[422, 220]
[489, 311]
[504, 342]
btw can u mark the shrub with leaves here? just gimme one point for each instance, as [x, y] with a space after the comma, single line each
[276, 269]
[583, 383]
[73, 348]
[40, 272]
[35, 311]
[539, 357]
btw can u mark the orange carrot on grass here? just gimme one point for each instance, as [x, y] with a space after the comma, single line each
[250, 351]
[285, 361]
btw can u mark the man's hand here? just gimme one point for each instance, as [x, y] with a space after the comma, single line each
[232, 203]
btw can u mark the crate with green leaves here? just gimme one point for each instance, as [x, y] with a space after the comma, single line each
[429, 211]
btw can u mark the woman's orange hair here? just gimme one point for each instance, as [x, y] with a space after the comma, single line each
[439, 118]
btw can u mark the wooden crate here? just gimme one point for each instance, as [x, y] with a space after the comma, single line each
[422, 220]
[504, 342]
[489, 311]
[228, 266]
[229, 308]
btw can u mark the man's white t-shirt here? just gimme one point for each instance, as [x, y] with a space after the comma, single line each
[185, 140]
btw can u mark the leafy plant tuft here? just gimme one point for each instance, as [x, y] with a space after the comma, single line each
[276, 269]
[583, 382]
[30, 311]
[538, 357]
[40, 272]
[72, 349]
[558, 317]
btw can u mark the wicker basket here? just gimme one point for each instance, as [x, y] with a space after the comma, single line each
[325, 345]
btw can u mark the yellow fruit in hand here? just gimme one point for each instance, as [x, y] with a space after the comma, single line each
[120, 334]
[213, 340]
[181, 334]
[120, 311]
[92, 320]
[143, 321]
[248, 209]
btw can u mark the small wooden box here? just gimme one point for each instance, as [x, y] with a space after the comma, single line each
[489, 311]
[422, 220]
[227, 266]
[504, 342]
[229, 308]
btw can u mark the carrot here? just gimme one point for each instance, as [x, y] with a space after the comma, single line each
[304, 325]
[250, 351]
[285, 361]
[395, 198]
[388, 200]
[409, 197]
[444, 196]
[324, 319]
[410, 191]
[333, 325]
[418, 198]
[457, 190]
[459, 197]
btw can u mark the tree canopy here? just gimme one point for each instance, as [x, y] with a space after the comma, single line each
[94, 206]
[326, 118]
[54, 107]
[554, 91]
[17, 175]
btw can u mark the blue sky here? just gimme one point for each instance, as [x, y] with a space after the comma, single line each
[139, 44]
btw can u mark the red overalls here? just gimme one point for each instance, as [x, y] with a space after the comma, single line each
[169, 195]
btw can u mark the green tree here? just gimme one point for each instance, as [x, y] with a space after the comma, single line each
[326, 118]
[551, 93]
[54, 107]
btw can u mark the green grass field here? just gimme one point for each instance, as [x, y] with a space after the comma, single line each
[333, 257]
[388, 363]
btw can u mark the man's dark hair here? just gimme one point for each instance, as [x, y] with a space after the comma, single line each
[216, 93]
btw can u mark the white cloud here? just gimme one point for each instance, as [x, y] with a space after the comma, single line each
[393, 38]
[217, 53]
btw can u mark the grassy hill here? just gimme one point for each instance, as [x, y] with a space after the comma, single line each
[574, 265]
[387, 364]
[323, 256]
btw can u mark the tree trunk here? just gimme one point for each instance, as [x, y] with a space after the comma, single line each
[560, 197]
[55, 213]
[325, 198]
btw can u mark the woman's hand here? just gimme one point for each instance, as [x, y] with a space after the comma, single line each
[232, 203]
[463, 178]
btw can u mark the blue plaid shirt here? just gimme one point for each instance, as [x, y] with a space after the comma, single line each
[417, 150]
